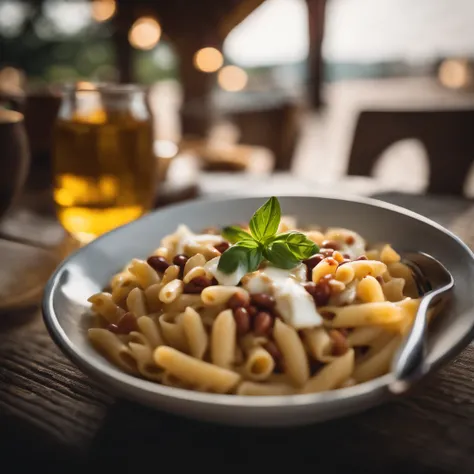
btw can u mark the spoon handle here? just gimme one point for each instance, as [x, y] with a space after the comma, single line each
[409, 362]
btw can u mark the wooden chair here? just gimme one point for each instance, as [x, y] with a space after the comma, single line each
[448, 136]
[273, 126]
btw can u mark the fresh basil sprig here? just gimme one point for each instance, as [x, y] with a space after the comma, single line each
[249, 250]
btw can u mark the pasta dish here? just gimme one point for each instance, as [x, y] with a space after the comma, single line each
[265, 308]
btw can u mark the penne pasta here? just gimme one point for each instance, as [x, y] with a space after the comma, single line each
[170, 274]
[319, 344]
[333, 375]
[197, 260]
[328, 266]
[388, 255]
[112, 348]
[195, 332]
[104, 305]
[136, 302]
[143, 273]
[173, 332]
[195, 371]
[223, 339]
[362, 268]
[215, 295]
[151, 296]
[364, 314]
[264, 389]
[171, 291]
[145, 364]
[378, 361]
[364, 335]
[393, 289]
[294, 354]
[259, 364]
[149, 328]
[369, 290]
[195, 273]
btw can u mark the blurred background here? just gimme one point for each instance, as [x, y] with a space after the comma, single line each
[262, 85]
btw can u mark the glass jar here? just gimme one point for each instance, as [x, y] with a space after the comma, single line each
[103, 161]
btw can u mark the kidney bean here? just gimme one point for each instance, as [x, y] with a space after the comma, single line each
[321, 292]
[180, 260]
[222, 247]
[346, 255]
[339, 342]
[126, 324]
[326, 252]
[262, 300]
[330, 244]
[362, 350]
[242, 320]
[328, 315]
[273, 350]
[262, 323]
[350, 240]
[311, 262]
[158, 264]
[196, 285]
[237, 300]
[214, 282]
[113, 328]
[310, 287]
[315, 366]
[252, 310]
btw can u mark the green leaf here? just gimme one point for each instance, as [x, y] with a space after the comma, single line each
[247, 255]
[254, 259]
[265, 221]
[300, 246]
[233, 234]
[248, 244]
[279, 254]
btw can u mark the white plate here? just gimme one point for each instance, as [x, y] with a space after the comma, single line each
[88, 271]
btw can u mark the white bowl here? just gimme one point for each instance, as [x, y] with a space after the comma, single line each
[88, 271]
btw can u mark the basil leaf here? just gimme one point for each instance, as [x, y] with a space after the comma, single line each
[249, 258]
[233, 234]
[249, 244]
[254, 258]
[265, 221]
[280, 255]
[300, 246]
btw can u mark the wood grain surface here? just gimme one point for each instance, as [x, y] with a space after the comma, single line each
[56, 419]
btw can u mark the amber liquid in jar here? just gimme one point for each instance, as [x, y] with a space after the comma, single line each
[104, 172]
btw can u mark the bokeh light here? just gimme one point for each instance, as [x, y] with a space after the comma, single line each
[232, 78]
[103, 10]
[454, 73]
[208, 59]
[145, 33]
[85, 86]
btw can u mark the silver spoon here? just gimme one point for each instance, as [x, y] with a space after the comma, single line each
[432, 279]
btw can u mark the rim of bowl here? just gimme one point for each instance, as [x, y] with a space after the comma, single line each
[115, 376]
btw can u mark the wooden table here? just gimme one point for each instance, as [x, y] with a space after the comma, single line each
[53, 416]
